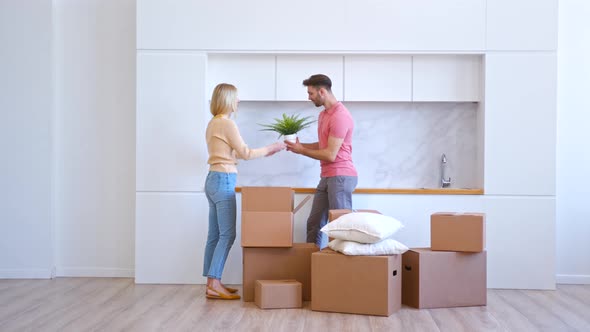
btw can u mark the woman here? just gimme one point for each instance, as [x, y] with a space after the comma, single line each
[224, 144]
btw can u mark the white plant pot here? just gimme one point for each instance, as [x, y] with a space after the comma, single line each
[291, 138]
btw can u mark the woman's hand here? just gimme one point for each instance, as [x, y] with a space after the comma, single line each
[274, 148]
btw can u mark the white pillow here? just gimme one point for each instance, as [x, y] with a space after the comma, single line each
[363, 227]
[385, 247]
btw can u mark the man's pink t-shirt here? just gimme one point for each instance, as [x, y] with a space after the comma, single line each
[337, 122]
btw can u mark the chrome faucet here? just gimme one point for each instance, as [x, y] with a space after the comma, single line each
[444, 183]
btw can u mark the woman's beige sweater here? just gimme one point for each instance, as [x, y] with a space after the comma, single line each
[225, 146]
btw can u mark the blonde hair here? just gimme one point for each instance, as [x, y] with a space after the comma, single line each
[224, 99]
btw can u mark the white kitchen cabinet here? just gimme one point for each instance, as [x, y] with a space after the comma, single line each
[520, 231]
[402, 25]
[378, 78]
[520, 123]
[253, 75]
[522, 25]
[170, 239]
[293, 69]
[447, 77]
[414, 211]
[171, 234]
[172, 115]
[418, 25]
[520, 240]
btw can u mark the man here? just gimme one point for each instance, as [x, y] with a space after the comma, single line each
[333, 150]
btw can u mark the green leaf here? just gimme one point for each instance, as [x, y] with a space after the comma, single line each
[288, 125]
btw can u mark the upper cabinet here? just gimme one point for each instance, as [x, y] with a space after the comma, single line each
[293, 69]
[527, 25]
[447, 77]
[267, 25]
[254, 76]
[378, 78]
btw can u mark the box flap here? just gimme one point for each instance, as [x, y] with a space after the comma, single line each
[268, 199]
[300, 205]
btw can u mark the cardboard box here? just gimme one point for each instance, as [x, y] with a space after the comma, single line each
[267, 216]
[457, 231]
[267, 229]
[268, 199]
[369, 285]
[443, 279]
[276, 264]
[278, 294]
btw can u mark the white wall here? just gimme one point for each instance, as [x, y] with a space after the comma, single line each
[95, 94]
[25, 139]
[573, 154]
[95, 135]
[67, 132]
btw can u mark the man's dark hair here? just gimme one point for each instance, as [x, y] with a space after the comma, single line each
[319, 81]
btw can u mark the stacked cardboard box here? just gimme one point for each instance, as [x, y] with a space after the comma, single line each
[267, 216]
[277, 294]
[452, 273]
[277, 264]
[465, 232]
[368, 285]
[268, 249]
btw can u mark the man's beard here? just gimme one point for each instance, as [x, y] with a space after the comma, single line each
[319, 103]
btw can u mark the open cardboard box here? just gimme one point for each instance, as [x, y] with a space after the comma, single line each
[267, 216]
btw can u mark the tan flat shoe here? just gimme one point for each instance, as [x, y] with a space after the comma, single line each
[231, 290]
[221, 296]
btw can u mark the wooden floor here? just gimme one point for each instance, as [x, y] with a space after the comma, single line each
[105, 304]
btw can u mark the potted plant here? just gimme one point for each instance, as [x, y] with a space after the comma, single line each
[288, 126]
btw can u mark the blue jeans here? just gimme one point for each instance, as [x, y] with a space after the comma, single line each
[333, 192]
[220, 191]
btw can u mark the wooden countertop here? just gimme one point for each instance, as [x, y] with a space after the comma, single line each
[400, 191]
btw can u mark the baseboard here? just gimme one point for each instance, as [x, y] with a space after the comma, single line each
[573, 279]
[25, 274]
[94, 272]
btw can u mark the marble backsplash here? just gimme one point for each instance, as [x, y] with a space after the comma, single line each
[395, 145]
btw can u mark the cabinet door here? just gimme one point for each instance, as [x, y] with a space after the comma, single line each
[520, 240]
[446, 77]
[520, 129]
[378, 78]
[171, 119]
[418, 25]
[293, 69]
[394, 25]
[170, 239]
[253, 75]
[521, 25]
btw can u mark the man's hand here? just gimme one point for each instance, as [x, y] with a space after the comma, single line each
[295, 147]
[311, 150]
